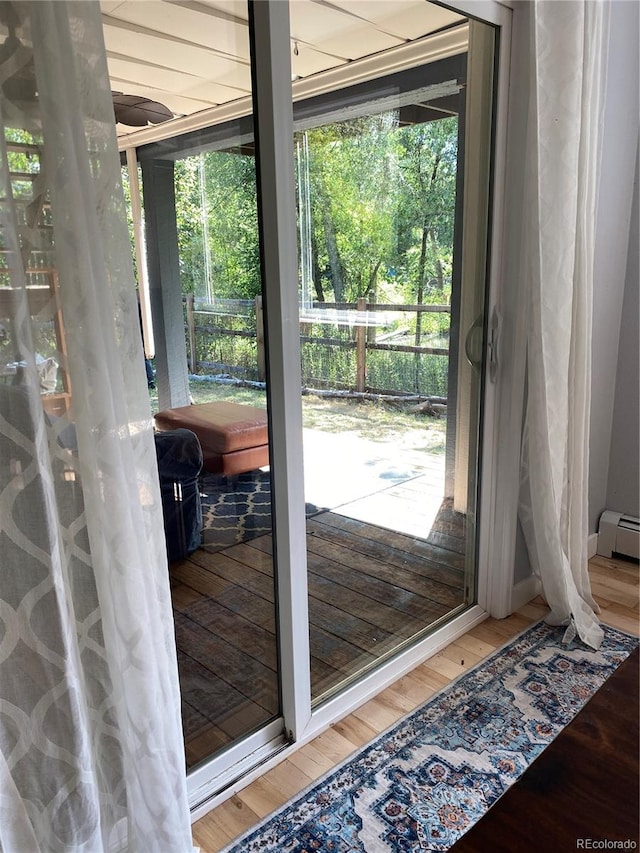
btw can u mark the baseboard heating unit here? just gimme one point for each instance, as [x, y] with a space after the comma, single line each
[618, 534]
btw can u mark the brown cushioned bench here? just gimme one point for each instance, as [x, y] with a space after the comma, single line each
[233, 437]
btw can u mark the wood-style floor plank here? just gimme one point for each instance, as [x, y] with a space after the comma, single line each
[235, 629]
[235, 572]
[231, 819]
[357, 731]
[390, 619]
[263, 796]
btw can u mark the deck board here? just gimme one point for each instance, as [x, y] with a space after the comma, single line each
[401, 550]
[370, 589]
[407, 579]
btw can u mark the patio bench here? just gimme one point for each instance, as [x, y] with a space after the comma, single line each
[233, 436]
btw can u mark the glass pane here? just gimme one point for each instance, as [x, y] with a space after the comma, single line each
[391, 406]
[211, 287]
[223, 593]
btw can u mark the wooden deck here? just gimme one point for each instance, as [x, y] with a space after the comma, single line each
[370, 590]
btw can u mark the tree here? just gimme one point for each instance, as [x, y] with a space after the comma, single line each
[216, 210]
[352, 202]
[190, 224]
[428, 165]
[232, 224]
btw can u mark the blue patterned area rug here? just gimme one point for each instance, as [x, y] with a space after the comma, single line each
[237, 509]
[423, 783]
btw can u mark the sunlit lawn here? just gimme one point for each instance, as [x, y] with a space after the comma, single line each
[371, 420]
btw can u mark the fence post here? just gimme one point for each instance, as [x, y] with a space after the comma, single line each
[191, 326]
[262, 369]
[361, 347]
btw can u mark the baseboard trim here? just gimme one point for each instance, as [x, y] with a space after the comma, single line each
[592, 545]
[524, 591]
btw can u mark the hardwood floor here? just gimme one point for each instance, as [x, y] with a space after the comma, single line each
[615, 587]
[370, 589]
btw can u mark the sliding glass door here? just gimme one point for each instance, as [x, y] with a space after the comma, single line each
[393, 229]
[325, 263]
[206, 284]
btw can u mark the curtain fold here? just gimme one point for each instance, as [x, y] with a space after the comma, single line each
[92, 755]
[567, 62]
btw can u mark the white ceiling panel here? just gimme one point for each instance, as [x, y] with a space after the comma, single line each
[237, 8]
[109, 5]
[349, 45]
[227, 74]
[407, 19]
[174, 54]
[314, 23]
[192, 54]
[310, 61]
[149, 75]
[215, 93]
[202, 27]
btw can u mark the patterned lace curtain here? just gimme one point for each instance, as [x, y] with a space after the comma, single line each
[91, 751]
[567, 61]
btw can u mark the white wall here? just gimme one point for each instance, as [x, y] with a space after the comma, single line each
[620, 141]
[623, 489]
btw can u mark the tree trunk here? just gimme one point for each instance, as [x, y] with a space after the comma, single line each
[439, 270]
[373, 298]
[335, 262]
[317, 272]
[373, 278]
[419, 298]
[420, 291]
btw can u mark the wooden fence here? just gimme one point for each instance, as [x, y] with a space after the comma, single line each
[363, 317]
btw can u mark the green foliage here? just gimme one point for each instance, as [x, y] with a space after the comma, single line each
[218, 226]
[402, 373]
[126, 187]
[425, 220]
[387, 372]
[226, 343]
[352, 193]
[23, 161]
[327, 367]
[381, 203]
[189, 222]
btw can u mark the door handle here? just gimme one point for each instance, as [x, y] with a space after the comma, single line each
[492, 345]
[474, 360]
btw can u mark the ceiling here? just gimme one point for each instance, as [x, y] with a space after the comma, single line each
[191, 55]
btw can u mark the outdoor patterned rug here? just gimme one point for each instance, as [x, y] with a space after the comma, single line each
[237, 509]
[423, 783]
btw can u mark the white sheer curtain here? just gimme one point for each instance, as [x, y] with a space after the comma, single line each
[567, 61]
[91, 751]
